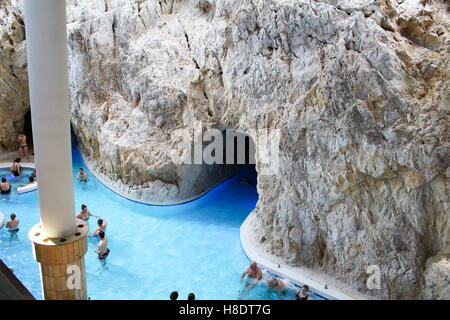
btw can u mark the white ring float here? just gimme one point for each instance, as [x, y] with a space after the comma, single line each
[27, 188]
[2, 219]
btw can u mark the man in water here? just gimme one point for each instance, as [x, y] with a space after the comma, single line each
[302, 294]
[30, 179]
[5, 187]
[23, 147]
[84, 214]
[254, 274]
[82, 175]
[13, 225]
[276, 284]
[103, 250]
[101, 227]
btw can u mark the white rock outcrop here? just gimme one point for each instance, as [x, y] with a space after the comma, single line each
[14, 98]
[358, 89]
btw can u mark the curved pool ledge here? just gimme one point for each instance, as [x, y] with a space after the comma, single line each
[296, 275]
[106, 181]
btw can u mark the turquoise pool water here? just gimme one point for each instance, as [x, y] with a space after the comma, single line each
[155, 250]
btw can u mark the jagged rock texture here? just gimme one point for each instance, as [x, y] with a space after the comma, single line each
[359, 90]
[14, 99]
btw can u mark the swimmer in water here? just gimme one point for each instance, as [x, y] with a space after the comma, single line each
[101, 227]
[84, 214]
[254, 274]
[302, 294]
[276, 284]
[103, 250]
[34, 174]
[15, 168]
[82, 176]
[244, 180]
[13, 225]
[5, 187]
[23, 147]
[30, 179]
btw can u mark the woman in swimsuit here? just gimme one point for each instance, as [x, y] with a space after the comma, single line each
[13, 225]
[84, 213]
[22, 138]
[5, 187]
[15, 168]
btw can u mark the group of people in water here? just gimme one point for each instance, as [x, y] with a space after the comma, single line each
[100, 232]
[174, 296]
[254, 276]
[16, 168]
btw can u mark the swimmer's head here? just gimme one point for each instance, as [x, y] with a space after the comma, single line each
[81, 170]
[3, 179]
[191, 296]
[101, 234]
[273, 281]
[31, 178]
[13, 216]
[253, 265]
[100, 222]
[174, 295]
[83, 206]
[17, 160]
[305, 287]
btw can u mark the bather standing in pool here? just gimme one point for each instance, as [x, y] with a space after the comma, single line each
[5, 187]
[13, 225]
[276, 284]
[22, 139]
[84, 213]
[254, 274]
[103, 250]
[82, 175]
[31, 181]
[101, 227]
[15, 168]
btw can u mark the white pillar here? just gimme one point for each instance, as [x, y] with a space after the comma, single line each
[45, 27]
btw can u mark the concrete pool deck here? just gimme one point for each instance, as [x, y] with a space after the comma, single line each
[296, 275]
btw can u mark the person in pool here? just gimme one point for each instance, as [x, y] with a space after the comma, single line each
[103, 250]
[302, 294]
[276, 284]
[30, 179]
[5, 187]
[82, 175]
[15, 168]
[34, 174]
[13, 225]
[101, 227]
[23, 147]
[254, 274]
[84, 213]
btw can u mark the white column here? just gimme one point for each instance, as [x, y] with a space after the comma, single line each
[45, 27]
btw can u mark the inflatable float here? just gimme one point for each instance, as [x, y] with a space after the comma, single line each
[2, 220]
[27, 188]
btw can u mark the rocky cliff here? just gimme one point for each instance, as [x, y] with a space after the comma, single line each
[14, 99]
[358, 89]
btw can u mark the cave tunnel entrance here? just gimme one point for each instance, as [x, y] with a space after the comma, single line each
[27, 129]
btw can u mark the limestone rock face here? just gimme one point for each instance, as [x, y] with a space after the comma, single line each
[14, 98]
[358, 89]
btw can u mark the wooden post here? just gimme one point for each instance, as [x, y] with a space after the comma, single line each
[61, 262]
